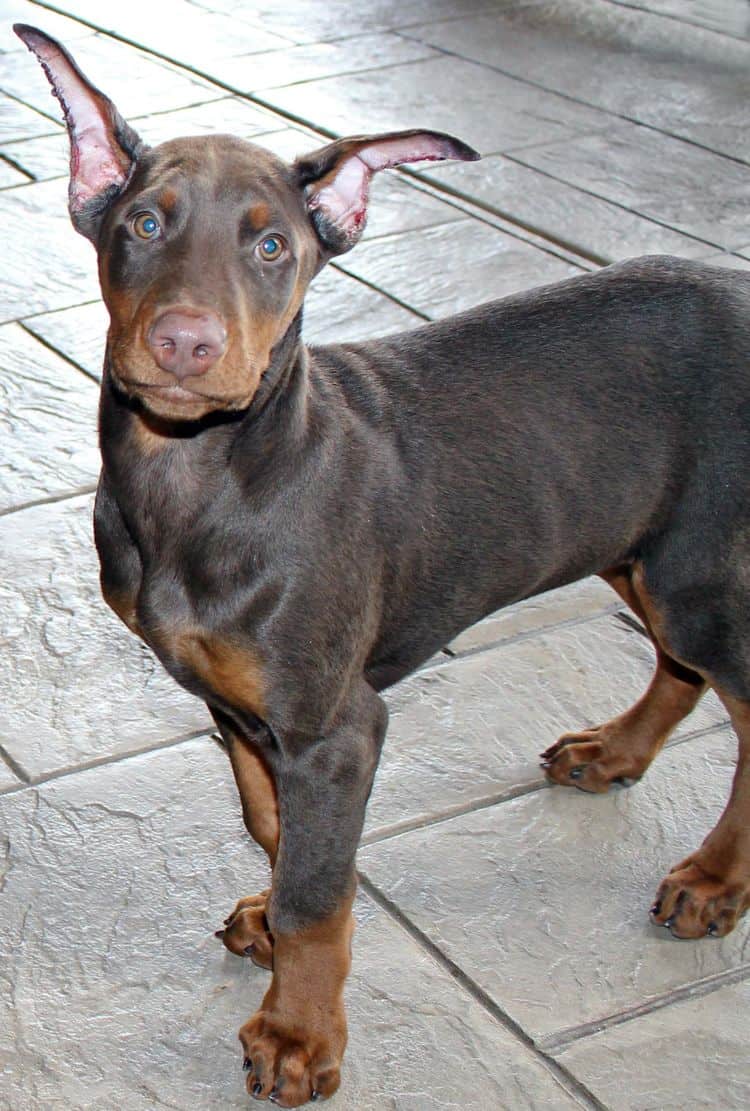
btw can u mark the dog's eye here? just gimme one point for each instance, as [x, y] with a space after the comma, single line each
[271, 248]
[146, 226]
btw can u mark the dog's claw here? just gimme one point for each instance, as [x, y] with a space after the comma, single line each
[249, 950]
[219, 933]
[315, 1094]
[247, 1064]
[576, 773]
[655, 909]
[257, 1088]
[712, 929]
[669, 922]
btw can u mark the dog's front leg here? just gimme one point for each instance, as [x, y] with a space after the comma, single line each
[293, 1046]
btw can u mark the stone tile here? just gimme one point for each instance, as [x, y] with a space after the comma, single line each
[396, 205]
[730, 17]
[734, 262]
[46, 264]
[690, 189]
[76, 686]
[321, 59]
[587, 598]
[18, 121]
[426, 269]
[7, 778]
[48, 416]
[307, 21]
[569, 216]
[543, 900]
[10, 176]
[42, 158]
[474, 727]
[78, 333]
[339, 309]
[114, 880]
[21, 11]
[136, 82]
[446, 94]
[673, 76]
[691, 1054]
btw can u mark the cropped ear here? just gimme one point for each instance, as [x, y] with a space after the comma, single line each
[103, 147]
[336, 178]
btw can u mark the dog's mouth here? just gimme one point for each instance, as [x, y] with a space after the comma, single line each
[175, 400]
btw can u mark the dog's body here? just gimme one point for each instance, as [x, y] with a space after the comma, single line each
[293, 530]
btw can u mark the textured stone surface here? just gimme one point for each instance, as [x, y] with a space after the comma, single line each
[114, 993]
[561, 212]
[8, 778]
[441, 93]
[46, 265]
[18, 121]
[474, 727]
[687, 188]
[10, 176]
[413, 267]
[672, 76]
[78, 333]
[625, 1067]
[543, 900]
[135, 81]
[77, 686]
[47, 422]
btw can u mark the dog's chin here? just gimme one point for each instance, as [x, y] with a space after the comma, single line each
[175, 403]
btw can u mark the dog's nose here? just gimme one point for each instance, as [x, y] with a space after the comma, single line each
[187, 344]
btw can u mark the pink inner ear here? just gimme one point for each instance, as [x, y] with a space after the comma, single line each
[94, 161]
[344, 198]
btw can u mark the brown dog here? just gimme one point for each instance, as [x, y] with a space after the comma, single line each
[292, 530]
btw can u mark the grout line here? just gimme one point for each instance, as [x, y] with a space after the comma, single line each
[376, 288]
[53, 499]
[564, 1078]
[646, 9]
[32, 782]
[459, 810]
[56, 350]
[553, 1043]
[576, 100]
[6, 158]
[15, 767]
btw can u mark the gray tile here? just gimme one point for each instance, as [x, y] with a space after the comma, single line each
[734, 262]
[48, 417]
[427, 269]
[543, 900]
[484, 108]
[321, 59]
[310, 21]
[230, 115]
[396, 205]
[46, 265]
[664, 179]
[730, 17]
[116, 994]
[587, 598]
[564, 214]
[135, 81]
[10, 176]
[7, 780]
[473, 728]
[18, 121]
[21, 11]
[76, 686]
[339, 309]
[691, 1054]
[42, 158]
[78, 333]
[669, 75]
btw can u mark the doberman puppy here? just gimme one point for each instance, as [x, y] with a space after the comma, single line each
[292, 530]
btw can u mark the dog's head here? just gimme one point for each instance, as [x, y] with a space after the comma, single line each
[207, 245]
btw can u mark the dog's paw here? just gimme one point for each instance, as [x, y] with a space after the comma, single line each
[288, 1064]
[246, 931]
[588, 760]
[691, 902]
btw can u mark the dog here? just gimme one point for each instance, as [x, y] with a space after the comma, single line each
[294, 530]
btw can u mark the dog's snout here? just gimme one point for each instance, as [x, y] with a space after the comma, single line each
[187, 344]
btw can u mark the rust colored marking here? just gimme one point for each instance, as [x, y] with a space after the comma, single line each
[258, 216]
[124, 606]
[168, 201]
[257, 789]
[231, 671]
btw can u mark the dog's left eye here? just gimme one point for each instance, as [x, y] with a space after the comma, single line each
[271, 248]
[146, 226]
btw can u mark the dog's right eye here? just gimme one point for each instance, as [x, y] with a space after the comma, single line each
[146, 226]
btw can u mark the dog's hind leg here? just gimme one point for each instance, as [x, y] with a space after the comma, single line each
[620, 750]
[246, 931]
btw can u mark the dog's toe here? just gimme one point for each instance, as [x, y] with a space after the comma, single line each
[246, 931]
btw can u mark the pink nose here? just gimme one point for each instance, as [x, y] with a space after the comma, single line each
[187, 343]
